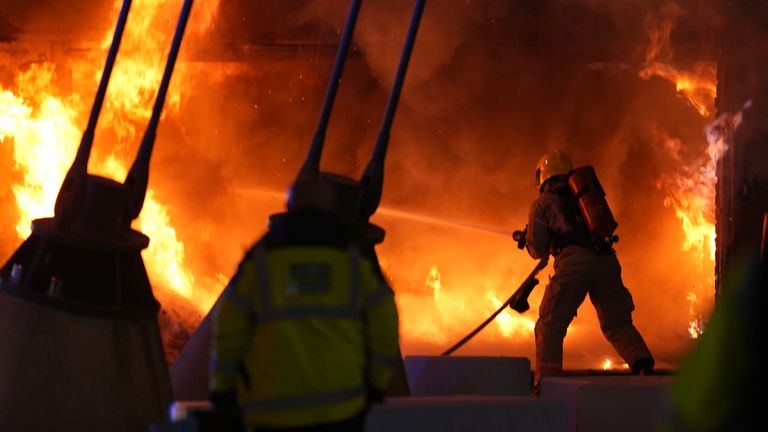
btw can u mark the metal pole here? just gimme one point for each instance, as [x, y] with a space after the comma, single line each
[138, 176]
[311, 166]
[373, 177]
[71, 188]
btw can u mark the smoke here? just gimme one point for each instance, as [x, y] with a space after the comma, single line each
[382, 27]
[492, 86]
[489, 90]
[78, 20]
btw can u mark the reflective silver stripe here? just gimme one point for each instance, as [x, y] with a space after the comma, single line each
[315, 312]
[225, 365]
[303, 401]
[260, 259]
[382, 360]
[380, 294]
[354, 277]
[239, 299]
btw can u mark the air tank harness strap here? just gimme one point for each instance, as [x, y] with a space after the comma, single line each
[570, 238]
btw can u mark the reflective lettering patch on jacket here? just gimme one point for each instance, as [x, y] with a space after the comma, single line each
[308, 279]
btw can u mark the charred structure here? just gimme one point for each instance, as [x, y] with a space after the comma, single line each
[742, 193]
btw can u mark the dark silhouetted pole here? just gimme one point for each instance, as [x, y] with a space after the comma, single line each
[373, 177]
[311, 166]
[138, 176]
[72, 188]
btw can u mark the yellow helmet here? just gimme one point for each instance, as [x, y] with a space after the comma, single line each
[553, 163]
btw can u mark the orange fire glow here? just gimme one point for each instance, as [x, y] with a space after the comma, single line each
[433, 282]
[449, 294]
[690, 188]
[698, 85]
[45, 128]
[509, 324]
[443, 313]
[608, 364]
[45, 124]
[691, 193]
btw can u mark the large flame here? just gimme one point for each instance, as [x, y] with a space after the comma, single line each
[42, 126]
[698, 84]
[45, 127]
[691, 185]
[691, 189]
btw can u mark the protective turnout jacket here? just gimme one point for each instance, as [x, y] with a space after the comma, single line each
[549, 223]
[306, 327]
[581, 269]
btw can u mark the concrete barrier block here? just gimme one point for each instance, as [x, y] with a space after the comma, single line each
[448, 375]
[468, 414]
[610, 403]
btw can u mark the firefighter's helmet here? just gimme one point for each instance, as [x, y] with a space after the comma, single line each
[327, 192]
[553, 163]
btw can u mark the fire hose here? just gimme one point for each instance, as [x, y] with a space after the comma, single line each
[518, 301]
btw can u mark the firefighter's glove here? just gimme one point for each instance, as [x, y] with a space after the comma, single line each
[375, 396]
[227, 411]
[519, 237]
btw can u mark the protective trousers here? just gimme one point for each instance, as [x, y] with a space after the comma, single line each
[580, 271]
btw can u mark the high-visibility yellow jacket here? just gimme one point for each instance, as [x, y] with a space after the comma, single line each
[302, 332]
[719, 384]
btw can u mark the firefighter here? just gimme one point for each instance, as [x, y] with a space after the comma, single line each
[583, 265]
[305, 335]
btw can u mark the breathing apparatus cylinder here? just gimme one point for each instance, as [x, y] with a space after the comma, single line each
[590, 197]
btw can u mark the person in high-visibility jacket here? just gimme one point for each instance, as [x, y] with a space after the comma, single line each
[306, 332]
[720, 383]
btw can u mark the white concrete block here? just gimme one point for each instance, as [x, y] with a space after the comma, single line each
[468, 414]
[448, 375]
[610, 403]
